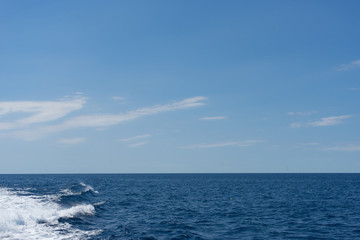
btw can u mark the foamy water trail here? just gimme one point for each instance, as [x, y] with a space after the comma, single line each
[30, 217]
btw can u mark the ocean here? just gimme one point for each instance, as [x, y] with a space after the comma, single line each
[180, 206]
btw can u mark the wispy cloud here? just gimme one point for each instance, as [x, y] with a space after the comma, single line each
[349, 66]
[307, 145]
[344, 148]
[297, 125]
[245, 143]
[134, 138]
[213, 118]
[354, 89]
[40, 111]
[94, 121]
[71, 140]
[323, 122]
[329, 121]
[137, 144]
[114, 119]
[302, 113]
[120, 100]
[311, 144]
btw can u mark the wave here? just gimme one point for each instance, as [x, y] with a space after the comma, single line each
[77, 189]
[38, 217]
[88, 188]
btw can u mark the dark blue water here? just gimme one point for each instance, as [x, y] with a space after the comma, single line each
[180, 206]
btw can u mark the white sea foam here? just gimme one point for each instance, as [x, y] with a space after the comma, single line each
[99, 203]
[69, 192]
[30, 217]
[88, 188]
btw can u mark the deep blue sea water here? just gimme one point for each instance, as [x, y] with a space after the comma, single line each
[180, 206]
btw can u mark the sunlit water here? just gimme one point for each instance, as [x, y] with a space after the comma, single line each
[180, 206]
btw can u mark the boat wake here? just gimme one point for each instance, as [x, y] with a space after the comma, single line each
[27, 216]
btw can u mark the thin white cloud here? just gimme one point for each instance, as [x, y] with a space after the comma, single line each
[119, 100]
[323, 122]
[114, 119]
[344, 148]
[297, 125]
[349, 66]
[134, 138]
[9, 125]
[245, 143]
[311, 144]
[40, 112]
[71, 140]
[106, 120]
[213, 118]
[137, 144]
[354, 89]
[302, 113]
[307, 145]
[329, 121]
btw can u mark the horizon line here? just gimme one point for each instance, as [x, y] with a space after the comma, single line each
[179, 173]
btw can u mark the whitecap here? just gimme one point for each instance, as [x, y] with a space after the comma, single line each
[70, 192]
[36, 217]
[88, 187]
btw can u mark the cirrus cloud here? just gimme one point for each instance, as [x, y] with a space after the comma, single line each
[245, 143]
[71, 140]
[349, 66]
[134, 138]
[302, 113]
[323, 122]
[213, 118]
[344, 148]
[132, 145]
[40, 111]
[29, 132]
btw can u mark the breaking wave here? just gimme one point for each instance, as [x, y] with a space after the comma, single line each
[27, 216]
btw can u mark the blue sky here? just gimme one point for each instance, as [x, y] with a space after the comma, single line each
[179, 86]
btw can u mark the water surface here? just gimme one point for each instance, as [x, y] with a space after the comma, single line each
[180, 206]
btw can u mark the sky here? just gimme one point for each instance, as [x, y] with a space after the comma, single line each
[179, 86]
